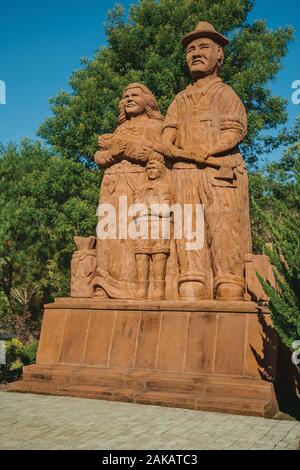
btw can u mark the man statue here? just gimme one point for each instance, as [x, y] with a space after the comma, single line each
[204, 125]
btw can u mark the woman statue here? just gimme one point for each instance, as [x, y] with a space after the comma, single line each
[124, 155]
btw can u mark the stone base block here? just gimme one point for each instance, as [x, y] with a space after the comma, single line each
[206, 355]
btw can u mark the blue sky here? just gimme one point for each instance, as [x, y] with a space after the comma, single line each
[41, 44]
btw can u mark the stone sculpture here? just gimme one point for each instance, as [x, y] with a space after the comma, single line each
[83, 266]
[175, 326]
[123, 155]
[198, 141]
[155, 198]
[204, 125]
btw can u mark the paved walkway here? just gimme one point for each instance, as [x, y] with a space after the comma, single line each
[47, 422]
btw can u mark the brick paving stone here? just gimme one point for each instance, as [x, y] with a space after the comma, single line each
[49, 422]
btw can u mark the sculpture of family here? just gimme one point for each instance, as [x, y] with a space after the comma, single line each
[190, 158]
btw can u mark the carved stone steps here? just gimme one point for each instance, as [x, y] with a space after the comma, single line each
[253, 407]
[155, 380]
[191, 400]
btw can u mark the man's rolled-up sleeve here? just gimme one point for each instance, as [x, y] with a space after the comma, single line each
[171, 119]
[233, 116]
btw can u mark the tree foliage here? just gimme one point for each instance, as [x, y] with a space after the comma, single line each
[278, 181]
[17, 355]
[285, 258]
[44, 202]
[146, 47]
[278, 215]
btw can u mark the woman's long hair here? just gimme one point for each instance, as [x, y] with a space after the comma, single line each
[151, 106]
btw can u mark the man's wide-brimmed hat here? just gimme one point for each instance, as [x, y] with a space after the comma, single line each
[205, 30]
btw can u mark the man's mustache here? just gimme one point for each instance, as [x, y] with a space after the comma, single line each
[198, 60]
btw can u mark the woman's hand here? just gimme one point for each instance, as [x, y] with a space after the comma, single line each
[144, 153]
[118, 148]
[138, 151]
[103, 157]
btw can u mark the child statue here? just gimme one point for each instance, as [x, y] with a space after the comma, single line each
[152, 247]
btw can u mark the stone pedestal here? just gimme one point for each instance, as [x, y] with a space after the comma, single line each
[206, 355]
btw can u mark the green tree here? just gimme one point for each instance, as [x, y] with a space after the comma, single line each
[278, 181]
[278, 216]
[44, 202]
[285, 258]
[18, 354]
[146, 47]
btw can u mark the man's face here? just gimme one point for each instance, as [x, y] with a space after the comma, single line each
[134, 101]
[202, 57]
[153, 170]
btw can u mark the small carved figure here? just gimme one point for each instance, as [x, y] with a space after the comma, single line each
[83, 267]
[153, 244]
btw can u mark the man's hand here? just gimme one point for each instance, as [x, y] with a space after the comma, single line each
[168, 149]
[198, 153]
[201, 154]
